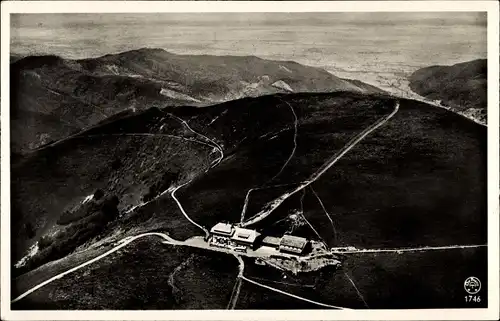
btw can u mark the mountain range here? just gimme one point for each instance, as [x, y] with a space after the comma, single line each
[53, 97]
[461, 87]
[146, 140]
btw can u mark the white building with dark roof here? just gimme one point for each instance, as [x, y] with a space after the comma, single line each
[221, 235]
[229, 236]
[237, 238]
[222, 229]
[245, 237]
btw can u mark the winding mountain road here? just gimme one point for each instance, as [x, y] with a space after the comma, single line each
[208, 142]
[215, 146]
[207, 233]
[133, 208]
[212, 143]
[265, 185]
[271, 206]
[124, 242]
[170, 241]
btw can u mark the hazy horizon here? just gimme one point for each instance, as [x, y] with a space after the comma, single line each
[373, 47]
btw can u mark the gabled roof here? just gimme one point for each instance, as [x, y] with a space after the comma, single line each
[222, 228]
[271, 240]
[244, 235]
[293, 241]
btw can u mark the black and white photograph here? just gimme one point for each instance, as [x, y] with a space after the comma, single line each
[293, 160]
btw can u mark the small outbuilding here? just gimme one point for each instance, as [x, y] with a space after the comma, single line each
[271, 241]
[293, 244]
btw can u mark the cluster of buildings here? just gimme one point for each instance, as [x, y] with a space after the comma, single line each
[241, 239]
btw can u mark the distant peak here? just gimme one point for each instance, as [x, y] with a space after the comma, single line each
[134, 53]
[31, 62]
[148, 51]
[141, 52]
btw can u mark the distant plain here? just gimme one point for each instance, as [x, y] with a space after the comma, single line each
[378, 48]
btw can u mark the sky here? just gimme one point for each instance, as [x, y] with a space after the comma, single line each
[365, 46]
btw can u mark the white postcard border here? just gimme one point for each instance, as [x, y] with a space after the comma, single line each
[260, 6]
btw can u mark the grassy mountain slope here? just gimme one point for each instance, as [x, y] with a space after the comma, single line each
[72, 95]
[186, 276]
[69, 99]
[419, 180]
[463, 86]
[425, 162]
[219, 78]
[56, 179]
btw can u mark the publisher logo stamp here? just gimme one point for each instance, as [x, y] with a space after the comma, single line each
[472, 285]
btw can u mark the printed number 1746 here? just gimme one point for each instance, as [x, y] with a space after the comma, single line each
[472, 298]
